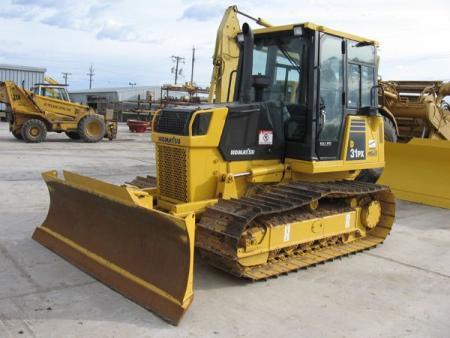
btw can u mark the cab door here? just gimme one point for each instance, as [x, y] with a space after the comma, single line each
[331, 108]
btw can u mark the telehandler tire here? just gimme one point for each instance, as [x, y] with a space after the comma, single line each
[390, 135]
[73, 135]
[91, 129]
[17, 135]
[33, 131]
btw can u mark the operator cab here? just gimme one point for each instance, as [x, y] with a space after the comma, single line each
[311, 77]
[58, 92]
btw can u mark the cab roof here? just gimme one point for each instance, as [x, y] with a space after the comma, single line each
[315, 27]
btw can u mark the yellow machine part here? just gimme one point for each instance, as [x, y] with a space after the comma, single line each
[152, 263]
[55, 111]
[417, 171]
[296, 213]
[58, 115]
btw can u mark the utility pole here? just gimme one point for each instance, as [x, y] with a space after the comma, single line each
[65, 76]
[177, 60]
[91, 74]
[192, 66]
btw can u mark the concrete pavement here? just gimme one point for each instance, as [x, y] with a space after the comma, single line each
[399, 289]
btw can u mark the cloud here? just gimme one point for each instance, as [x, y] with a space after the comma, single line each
[17, 12]
[202, 12]
[62, 19]
[97, 10]
[73, 15]
[39, 3]
[117, 31]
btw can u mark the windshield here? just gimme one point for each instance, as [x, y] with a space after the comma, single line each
[55, 93]
[280, 60]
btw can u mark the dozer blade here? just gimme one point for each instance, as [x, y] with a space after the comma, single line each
[418, 171]
[145, 254]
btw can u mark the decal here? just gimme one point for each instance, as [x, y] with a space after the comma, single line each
[247, 151]
[287, 233]
[325, 143]
[265, 137]
[347, 221]
[57, 106]
[356, 146]
[171, 140]
[355, 153]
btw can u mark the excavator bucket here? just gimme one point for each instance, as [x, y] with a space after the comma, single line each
[417, 171]
[112, 233]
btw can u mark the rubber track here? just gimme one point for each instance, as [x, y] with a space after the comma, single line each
[228, 219]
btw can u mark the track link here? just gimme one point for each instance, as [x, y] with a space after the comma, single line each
[221, 226]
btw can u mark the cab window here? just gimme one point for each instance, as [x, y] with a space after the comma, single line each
[331, 87]
[279, 59]
[55, 93]
[361, 75]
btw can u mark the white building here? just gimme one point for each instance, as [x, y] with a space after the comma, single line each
[116, 94]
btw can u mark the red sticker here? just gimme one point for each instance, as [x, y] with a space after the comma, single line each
[265, 137]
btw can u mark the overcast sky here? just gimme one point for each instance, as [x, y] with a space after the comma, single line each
[133, 41]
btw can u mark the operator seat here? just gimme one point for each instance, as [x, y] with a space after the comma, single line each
[295, 126]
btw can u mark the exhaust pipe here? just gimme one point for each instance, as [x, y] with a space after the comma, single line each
[247, 65]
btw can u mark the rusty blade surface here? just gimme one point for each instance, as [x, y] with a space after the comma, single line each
[144, 254]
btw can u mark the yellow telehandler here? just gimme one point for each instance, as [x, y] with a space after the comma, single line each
[261, 180]
[418, 154]
[47, 107]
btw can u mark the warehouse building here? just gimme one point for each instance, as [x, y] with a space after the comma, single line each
[116, 94]
[126, 102]
[24, 76]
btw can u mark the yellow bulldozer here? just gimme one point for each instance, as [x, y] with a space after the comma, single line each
[418, 154]
[262, 181]
[47, 107]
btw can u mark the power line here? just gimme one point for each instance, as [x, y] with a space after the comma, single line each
[192, 66]
[177, 60]
[65, 76]
[91, 74]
